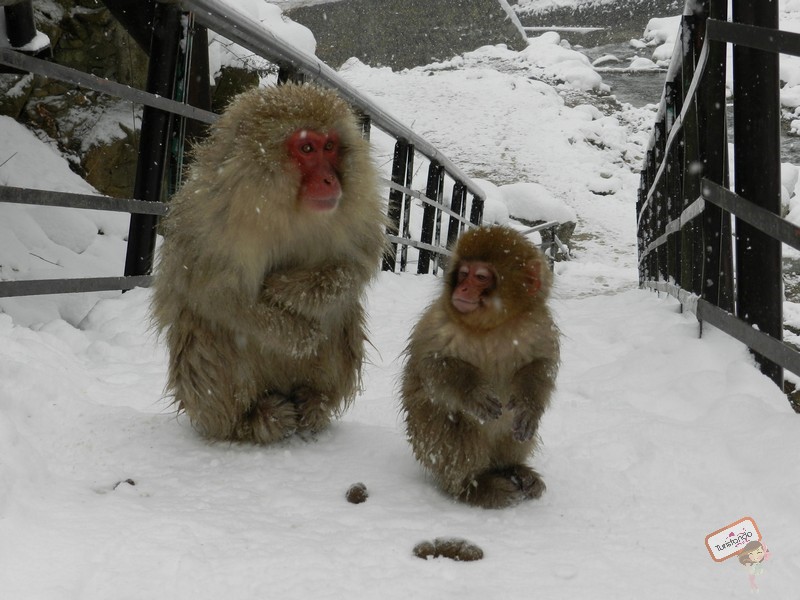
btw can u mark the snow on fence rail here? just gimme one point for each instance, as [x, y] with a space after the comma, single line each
[728, 274]
[424, 239]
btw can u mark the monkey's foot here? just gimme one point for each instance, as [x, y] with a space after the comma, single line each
[499, 488]
[314, 409]
[271, 419]
[529, 481]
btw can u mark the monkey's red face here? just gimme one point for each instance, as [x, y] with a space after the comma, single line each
[317, 156]
[475, 280]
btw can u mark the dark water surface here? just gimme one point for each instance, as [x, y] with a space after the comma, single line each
[645, 87]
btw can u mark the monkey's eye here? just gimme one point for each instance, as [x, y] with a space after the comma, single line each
[329, 145]
[483, 275]
[306, 148]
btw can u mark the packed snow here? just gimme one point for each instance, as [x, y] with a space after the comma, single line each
[656, 436]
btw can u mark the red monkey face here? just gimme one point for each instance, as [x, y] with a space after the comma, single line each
[474, 280]
[317, 156]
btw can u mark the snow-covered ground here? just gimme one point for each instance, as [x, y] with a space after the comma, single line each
[655, 439]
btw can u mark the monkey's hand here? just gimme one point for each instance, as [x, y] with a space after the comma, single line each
[531, 388]
[311, 291]
[294, 333]
[525, 423]
[223, 297]
[482, 403]
[460, 386]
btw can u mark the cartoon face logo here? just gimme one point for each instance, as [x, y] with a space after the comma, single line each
[752, 554]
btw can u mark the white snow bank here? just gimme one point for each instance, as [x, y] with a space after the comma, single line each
[495, 210]
[640, 397]
[506, 126]
[38, 242]
[534, 202]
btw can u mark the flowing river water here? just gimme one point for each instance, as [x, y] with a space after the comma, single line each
[615, 25]
[640, 88]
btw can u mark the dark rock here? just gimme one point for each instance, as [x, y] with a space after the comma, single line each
[83, 36]
[14, 93]
[357, 493]
[453, 548]
[231, 81]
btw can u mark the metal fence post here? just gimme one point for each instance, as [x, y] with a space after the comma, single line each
[691, 278]
[672, 204]
[400, 174]
[20, 26]
[407, 182]
[154, 137]
[476, 211]
[457, 206]
[717, 280]
[434, 192]
[757, 167]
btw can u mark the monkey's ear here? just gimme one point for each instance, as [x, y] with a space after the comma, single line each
[532, 275]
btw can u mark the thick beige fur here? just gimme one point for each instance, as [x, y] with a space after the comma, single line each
[261, 300]
[475, 386]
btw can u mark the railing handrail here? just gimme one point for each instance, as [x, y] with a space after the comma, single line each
[19, 60]
[18, 195]
[238, 28]
[248, 33]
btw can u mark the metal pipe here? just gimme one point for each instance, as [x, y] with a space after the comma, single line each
[20, 26]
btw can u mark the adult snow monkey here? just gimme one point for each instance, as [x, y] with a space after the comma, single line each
[480, 369]
[267, 251]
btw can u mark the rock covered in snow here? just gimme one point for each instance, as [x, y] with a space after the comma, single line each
[591, 112]
[563, 64]
[529, 203]
[640, 63]
[534, 202]
[662, 33]
[605, 60]
[790, 201]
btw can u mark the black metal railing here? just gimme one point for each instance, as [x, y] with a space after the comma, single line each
[162, 118]
[727, 271]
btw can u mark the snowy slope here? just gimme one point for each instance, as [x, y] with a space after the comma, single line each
[655, 438]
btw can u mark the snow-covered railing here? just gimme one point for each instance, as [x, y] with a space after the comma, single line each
[237, 27]
[687, 245]
[441, 222]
